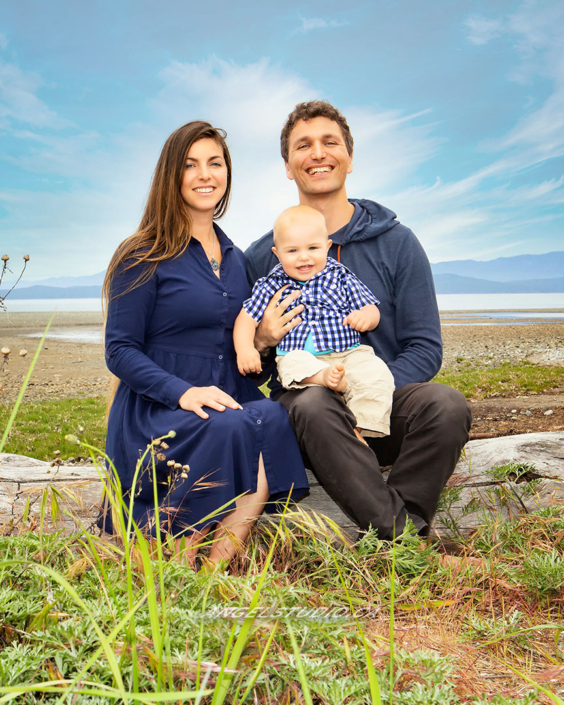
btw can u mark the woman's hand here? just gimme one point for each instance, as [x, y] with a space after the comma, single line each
[197, 397]
[277, 321]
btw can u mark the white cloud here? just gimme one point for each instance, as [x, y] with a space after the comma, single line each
[310, 23]
[482, 30]
[19, 102]
[110, 175]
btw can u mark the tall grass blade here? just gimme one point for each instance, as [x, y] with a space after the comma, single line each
[24, 386]
[299, 664]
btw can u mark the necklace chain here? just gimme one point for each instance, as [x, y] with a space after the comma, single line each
[213, 262]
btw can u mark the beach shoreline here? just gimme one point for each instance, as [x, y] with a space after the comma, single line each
[72, 360]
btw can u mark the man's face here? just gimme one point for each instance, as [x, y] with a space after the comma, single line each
[301, 248]
[318, 160]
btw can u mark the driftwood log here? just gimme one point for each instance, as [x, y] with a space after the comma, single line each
[500, 477]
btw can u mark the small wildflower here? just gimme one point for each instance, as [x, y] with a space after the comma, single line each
[81, 429]
[71, 438]
[161, 456]
[172, 434]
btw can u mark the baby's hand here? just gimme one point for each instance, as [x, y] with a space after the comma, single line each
[366, 318]
[249, 361]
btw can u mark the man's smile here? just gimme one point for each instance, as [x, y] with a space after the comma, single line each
[319, 169]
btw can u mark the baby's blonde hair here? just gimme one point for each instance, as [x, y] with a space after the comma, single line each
[290, 216]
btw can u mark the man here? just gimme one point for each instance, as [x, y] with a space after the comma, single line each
[430, 422]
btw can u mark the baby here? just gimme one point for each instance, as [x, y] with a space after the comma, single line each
[324, 349]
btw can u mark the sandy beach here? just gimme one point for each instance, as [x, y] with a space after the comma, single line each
[71, 363]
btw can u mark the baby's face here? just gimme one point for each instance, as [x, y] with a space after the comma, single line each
[302, 249]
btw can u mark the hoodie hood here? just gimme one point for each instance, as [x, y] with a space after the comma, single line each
[369, 220]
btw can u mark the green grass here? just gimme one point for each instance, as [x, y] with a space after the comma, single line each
[40, 427]
[89, 617]
[507, 380]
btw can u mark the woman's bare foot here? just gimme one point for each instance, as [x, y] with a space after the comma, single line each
[334, 378]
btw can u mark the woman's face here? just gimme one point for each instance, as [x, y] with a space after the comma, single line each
[205, 176]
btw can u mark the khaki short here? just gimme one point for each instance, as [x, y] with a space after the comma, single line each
[370, 385]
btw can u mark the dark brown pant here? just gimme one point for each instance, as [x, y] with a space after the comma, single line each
[430, 424]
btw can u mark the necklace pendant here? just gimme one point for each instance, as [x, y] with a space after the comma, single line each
[214, 264]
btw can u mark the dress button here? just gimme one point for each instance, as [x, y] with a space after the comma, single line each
[225, 293]
[221, 357]
[259, 421]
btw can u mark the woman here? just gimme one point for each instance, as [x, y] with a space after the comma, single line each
[173, 291]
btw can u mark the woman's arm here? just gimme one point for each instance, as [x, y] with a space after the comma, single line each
[129, 315]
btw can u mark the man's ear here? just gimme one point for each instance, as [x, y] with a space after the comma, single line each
[276, 253]
[329, 243]
[288, 172]
[350, 166]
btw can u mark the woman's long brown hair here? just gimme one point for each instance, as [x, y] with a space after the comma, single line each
[164, 231]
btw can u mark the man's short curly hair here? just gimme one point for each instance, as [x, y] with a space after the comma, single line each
[308, 111]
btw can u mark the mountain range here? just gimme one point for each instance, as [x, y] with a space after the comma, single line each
[527, 274]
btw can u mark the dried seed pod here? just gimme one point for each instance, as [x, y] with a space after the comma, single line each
[56, 452]
[5, 350]
[170, 463]
[186, 468]
[177, 466]
[23, 352]
[165, 445]
[5, 258]
[26, 258]
[183, 475]
[161, 456]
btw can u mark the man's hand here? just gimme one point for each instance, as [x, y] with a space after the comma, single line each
[249, 361]
[276, 323]
[366, 318]
[197, 397]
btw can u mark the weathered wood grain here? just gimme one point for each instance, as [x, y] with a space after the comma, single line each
[474, 491]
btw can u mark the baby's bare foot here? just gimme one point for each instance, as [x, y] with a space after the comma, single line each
[334, 378]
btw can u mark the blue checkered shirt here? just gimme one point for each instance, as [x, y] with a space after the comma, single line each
[327, 297]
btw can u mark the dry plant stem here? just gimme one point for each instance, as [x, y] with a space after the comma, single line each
[232, 531]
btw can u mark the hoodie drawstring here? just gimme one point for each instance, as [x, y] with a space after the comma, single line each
[338, 253]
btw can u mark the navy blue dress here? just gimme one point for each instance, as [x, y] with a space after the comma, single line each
[163, 337]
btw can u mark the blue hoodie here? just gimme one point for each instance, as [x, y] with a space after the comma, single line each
[389, 259]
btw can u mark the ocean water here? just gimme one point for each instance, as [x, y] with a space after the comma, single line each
[500, 302]
[447, 302]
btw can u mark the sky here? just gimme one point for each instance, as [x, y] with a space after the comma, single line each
[456, 108]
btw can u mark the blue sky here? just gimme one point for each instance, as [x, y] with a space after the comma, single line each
[457, 110]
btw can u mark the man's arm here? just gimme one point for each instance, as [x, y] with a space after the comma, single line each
[417, 322]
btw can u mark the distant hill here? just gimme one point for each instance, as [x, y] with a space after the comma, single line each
[59, 282]
[527, 274]
[454, 284]
[506, 269]
[53, 292]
